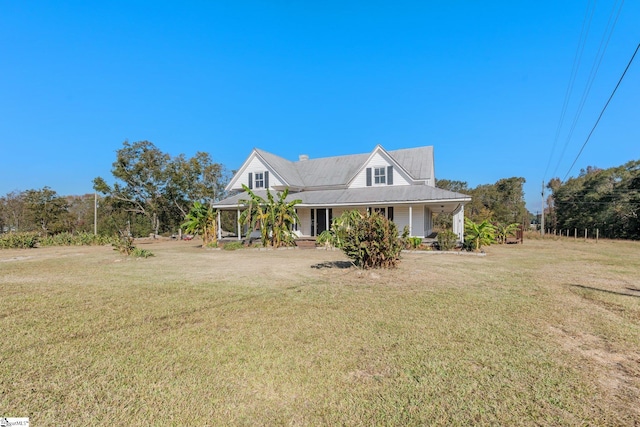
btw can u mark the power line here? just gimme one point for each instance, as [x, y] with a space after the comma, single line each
[602, 48]
[602, 112]
[577, 59]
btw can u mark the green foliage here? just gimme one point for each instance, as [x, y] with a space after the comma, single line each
[414, 242]
[447, 240]
[161, 189]
[202, 220]
[479, 235]
[505, 230]
[24, 240]
[340, 227]
[141, 253]
[274, 217]
[124, 245]
[232, 246]
[46, 211]
[371, 241]
[502, 201]
[78, 239]
[606, 199]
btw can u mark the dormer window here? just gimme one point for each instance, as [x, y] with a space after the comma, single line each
[259, 180]
[379, 176]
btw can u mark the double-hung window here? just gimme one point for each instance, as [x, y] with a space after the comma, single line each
[259, 180]
[379, 175]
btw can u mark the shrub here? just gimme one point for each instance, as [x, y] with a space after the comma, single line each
[124, 245]
[479, 235]
[371, 241]
[141, 253]
[80, 239]
[447, 240]
[414, 242]
[19, 240]
[232, 246]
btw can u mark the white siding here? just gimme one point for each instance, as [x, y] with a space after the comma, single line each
[378, 160]
[255, 166]
[458, 223]
[305, 221]
[418, 221]
[428, 221]
[401, 217]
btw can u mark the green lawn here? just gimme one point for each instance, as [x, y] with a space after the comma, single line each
[545, 333]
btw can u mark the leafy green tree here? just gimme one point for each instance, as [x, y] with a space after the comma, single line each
[13, 211]
[152, 184]
[479, 234]
[142, 171]
[201, 220]
[607, 199]
[195, 179]
[46, 211]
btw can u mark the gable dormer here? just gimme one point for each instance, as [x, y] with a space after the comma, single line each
[256, 173]
[379, 170]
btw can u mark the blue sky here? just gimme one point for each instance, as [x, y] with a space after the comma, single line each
[483, 82]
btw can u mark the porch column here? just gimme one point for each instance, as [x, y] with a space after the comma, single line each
[458, 222]
[410, 220]
[239, 228]
[219, 225]
[326, 218]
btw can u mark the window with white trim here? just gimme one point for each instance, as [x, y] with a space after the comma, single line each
[259, 180]
[380, 175]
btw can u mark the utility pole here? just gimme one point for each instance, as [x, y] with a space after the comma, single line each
[542, 216]
[95, 213]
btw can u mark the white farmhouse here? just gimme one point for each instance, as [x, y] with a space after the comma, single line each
[399, 183]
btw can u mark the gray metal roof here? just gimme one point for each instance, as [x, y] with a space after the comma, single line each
[361, 196]
[338, 170]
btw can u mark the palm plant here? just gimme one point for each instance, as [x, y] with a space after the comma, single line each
[274, 216]
[253, 215]
[201, 220]
[282, 217]
[479, 234]
[505, 230]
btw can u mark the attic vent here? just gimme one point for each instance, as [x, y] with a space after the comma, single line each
[303, 157]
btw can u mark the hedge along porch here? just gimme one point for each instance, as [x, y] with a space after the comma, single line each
[400, 184]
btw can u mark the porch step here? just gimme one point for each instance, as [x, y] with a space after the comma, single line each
[306, 243]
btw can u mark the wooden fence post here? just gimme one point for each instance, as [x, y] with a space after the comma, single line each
[597, 234]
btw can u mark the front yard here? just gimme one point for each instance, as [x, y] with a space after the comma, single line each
[543, 333]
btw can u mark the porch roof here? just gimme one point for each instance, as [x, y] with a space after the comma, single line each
[369, 196]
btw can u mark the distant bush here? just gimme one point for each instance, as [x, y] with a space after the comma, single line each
[18, 240]
[79, 239]
[232, 246]
[123, 244]
[447, 240]
[141, 253]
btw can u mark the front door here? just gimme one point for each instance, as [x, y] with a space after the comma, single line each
[319, 220]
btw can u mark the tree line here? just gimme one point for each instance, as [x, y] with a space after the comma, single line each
[603, 199]
[151, 194]
[501, 203]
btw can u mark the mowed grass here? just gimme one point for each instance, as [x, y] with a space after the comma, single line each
[545, 333]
